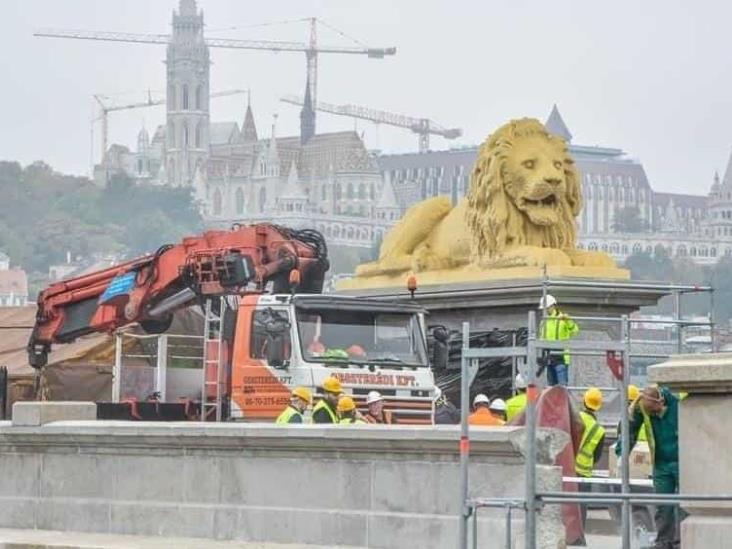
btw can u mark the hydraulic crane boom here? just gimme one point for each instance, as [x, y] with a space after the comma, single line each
[148, 289]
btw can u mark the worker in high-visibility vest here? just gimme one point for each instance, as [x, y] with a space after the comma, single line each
[633, 395]
[347, 412]
[657, 409]
[300, 399]
[557, 326]
[592, 442]
[326, 410]
[516, 404]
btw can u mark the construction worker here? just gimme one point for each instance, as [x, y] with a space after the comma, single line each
[556, 326]
[347, 412]
[376, 413]
[498, 409]
[326, 410]
[300, 399]
[591, 444]
[657, 409]
[482, 414]
[633, 395]
[517, 403]
[445, 411]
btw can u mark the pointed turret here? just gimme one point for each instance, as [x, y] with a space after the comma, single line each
[714, 191]
[293, 197]
[387, 207]
[555, 125]
[249, 129]
[727, 179]
[307, 116]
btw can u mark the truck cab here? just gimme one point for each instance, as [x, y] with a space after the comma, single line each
[284, 341]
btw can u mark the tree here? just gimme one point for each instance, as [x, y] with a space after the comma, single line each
[629, 220]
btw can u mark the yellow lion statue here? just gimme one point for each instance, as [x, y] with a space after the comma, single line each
[520, 210]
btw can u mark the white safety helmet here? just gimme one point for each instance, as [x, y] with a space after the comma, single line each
[520, 382]
[373, 396]
[548, 301]
[481, 399]
[499, 405]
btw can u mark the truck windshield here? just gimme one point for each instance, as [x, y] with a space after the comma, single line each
[361, 337]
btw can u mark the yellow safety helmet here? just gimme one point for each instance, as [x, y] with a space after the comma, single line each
[633, 393]
[593, 399]
[303, 393]
[332, 385]
[346, 404]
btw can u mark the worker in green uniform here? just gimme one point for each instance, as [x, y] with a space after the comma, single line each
[556, 326]
[516, 404]
[326, 410]
[657, 409]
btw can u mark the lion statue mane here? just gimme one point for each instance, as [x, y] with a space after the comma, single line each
[520, 210]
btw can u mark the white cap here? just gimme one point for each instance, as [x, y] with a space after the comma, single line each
[438, 392]
[550, 300]
[499, 405]
[373, 396]
[481, 399]
[520, 382]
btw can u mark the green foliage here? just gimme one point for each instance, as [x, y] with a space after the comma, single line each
[44, 215]
[629, 220]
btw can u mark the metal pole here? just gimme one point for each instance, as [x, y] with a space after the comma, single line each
[464, 440]
[625, 435]
[508, 527]
[206, 337]
[513, 367]
[475, 527]
[161, 374]
[712, 339]
[117, 370]
[677, 317]
[530, 428]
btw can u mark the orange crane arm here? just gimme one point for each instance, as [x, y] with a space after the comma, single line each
[148, 289]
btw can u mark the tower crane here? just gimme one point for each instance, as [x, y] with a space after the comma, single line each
[423, 127]
[311, 49]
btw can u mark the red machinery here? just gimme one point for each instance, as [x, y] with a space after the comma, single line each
[148, 289]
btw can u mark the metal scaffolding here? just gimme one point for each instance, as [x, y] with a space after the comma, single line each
[532, 500]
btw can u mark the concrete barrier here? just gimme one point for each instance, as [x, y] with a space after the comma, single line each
[364, 486]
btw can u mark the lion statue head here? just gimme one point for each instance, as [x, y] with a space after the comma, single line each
[524, 191]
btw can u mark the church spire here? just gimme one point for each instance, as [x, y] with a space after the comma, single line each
[307, 116]
[555, 125]
[249, 128]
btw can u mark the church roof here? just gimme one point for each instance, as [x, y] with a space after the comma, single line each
[344, 151]
[222, 133]
[248, 128]
[555, 124]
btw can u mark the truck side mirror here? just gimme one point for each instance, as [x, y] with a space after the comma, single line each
[440, 348]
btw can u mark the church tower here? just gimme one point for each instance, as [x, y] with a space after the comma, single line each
[307, 116]
[187, 130]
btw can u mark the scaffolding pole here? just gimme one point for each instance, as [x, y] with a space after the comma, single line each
[625, 435]
[464, 440]
[530, 463]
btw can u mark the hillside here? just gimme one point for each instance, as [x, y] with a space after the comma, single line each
[45, 214]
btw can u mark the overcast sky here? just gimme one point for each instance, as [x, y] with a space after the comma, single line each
[650, 77]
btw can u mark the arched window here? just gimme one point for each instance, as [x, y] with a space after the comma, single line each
[692, 251]
[681, 251]
[362, 191]
[637, 248]
[239, 201]
[338, 191]
[349, 193]
[604, 247]
[580, 246]
[713, 252]
[139, 165]
[185, 97]
[649, 250]
[198, 135]
[171, 97]
[171, 134]
[336, 231]
[217, 202]
[324, 193]
[624, 249]
[185, 135]
[262, 198]
[592, 246]
[350, 232]
[614, 248]
[328, 232]
[703, 252]
[199, 97]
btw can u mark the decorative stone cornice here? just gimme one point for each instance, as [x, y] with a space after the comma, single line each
[698, 373]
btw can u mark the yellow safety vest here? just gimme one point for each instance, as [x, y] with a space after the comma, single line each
[515, 405]
[350, 420]
[287, 414]
[559, 329]
[321, 404]
[591, 437]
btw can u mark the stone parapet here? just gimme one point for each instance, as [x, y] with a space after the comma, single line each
[325, 485]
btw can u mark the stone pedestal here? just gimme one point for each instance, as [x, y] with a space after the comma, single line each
[705, 444]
